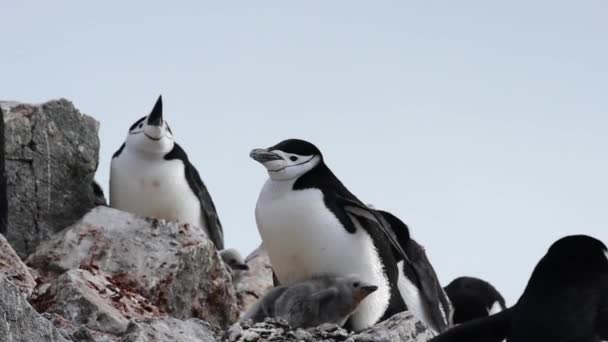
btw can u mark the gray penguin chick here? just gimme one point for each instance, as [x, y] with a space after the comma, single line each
[310, 303]
[233, 259]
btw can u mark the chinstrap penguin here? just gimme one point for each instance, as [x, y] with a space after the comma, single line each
[151, 176]
[565, 300]
[313, 302]
[235, 263]
[473, 298]
[418, 283]
[311, 224]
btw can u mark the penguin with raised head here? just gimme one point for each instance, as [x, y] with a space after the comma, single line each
[152, 176]
[312, 225]
[418, 283]
[565, 300]
[473, 298]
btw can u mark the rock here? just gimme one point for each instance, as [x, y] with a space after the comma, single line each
[94, 299]
[169, 329]
[12, 268]
[174, 265]
[401, 327]
[255, 282]
[19, 321]
[3, 201]
[78, 333]
[51, 157]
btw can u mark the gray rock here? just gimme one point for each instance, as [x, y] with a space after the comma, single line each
[169, 329]
[78, 333]
[401, 327]
[51, 157]
[93, 299]
[12, 268]
[256, 281]
[3, 201]
[20, 322]
[174, 265]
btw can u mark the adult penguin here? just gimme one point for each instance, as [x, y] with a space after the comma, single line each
[312, 225]
[566, 300]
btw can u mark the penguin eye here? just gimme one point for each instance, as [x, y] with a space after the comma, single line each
[356, 284]
[293, 158]
[141, 125]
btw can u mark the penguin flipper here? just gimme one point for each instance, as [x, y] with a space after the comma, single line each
[487, 329]
[437, 302]
[208, 211]
[358, 209]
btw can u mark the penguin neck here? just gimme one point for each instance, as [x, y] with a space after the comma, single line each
[145, 154]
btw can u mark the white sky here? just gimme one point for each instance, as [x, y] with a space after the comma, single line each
[483, 125]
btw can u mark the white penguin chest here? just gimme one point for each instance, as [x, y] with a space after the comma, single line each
[304, 238]
[153, 188]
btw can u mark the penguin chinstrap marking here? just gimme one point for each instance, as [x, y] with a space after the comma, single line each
[312, 225]
[473, 298]
[566, 300]
[151, 175]
[312, 302]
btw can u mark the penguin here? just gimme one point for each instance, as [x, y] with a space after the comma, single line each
[418, 283]
[313, 302]
[234, 261]
[312, 225]
[564, 300]
[473, 298]
[151, 175]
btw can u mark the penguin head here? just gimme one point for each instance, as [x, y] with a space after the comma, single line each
[288, 159]
[580, 252]
[151, 134]
[233, 259]
[357, 287]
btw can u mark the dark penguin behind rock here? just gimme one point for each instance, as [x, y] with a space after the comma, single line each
[3, 200]
[473, 298]
[566, 300]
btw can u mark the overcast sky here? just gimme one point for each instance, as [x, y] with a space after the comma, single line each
[483, 125]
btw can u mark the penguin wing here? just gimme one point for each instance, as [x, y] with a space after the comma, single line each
[488, 329]
[437, 301]
[420, 271]
[354, 207]
[210, 217]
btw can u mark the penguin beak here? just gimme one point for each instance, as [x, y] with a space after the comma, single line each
[262, 155]
[241, 267]
[156, 116]
[369, 289]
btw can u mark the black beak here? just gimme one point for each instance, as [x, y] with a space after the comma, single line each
[156, 116]
[369, 289]
[262, 155]
[242, 267]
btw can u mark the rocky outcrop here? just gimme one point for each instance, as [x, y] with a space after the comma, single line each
[19, 321]
[51, 157]
[402, 327]
[169, 329]
[94, 299]
[255, 282]
[174, 265]
[3, 201]
[13, 269]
